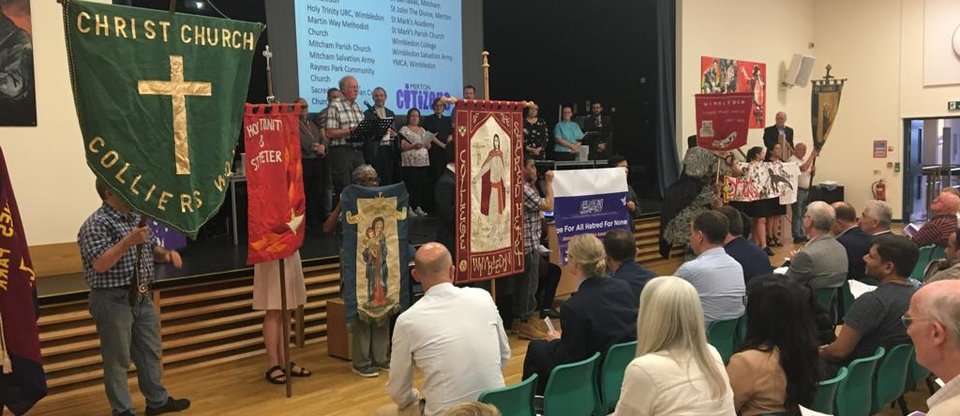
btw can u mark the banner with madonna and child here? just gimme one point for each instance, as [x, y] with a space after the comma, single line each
[375, 254]
[489, 188]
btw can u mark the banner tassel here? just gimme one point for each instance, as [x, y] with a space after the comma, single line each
[7, 366]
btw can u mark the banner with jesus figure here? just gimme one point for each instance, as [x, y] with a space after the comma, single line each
[160, 98]
[375, 254]
[489, 187]
[275, 200]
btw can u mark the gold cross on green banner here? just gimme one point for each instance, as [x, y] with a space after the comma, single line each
[178, 90]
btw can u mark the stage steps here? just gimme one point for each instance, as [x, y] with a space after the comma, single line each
[209, 320]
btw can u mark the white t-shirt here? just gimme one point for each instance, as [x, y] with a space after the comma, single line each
[804, 180]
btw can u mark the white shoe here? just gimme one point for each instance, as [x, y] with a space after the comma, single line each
[412, 213]
[543, 250]
[420, 212]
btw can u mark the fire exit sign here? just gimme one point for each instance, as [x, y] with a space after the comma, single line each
[953, 105]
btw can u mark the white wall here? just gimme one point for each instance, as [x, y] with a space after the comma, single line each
[768, 31]
[53, 185]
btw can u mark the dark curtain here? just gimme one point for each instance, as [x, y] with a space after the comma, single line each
[668, 163]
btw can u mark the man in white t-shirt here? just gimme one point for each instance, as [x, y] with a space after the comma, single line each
[807, 168]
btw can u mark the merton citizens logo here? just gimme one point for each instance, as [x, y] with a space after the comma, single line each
[418, 96]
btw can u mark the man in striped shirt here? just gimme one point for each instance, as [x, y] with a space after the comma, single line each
[943, 220]
[343, 116]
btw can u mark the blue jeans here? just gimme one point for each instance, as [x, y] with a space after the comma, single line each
[126, 333]
[799, 210]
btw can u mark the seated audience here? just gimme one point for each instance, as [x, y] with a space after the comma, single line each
[947, 268]
[621, 248]
[876, 217]
[717, 277]
[823, 261]
[753, 260]
[601, 313]
[473, 409]
[453, 334]
[621, 162]
[933, 323]
[873, 319]
[676, 371]
[777, 367]
[853, 239]
[943, 220]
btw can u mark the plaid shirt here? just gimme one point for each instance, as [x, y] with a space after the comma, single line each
[342, 114]
[105, 228]
[531, 218]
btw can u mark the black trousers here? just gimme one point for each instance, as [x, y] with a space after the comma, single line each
[416, 180]
[542, 356]
[385, 162]
[342, 160]
[547, 288]
[314, 185]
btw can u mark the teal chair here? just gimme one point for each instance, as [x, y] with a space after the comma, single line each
[611, 373]
[742, 329]
[827, 298]
[723, 336]
[827, 392]
[855, 393]
[926, 255]
[572, 390]
[917, 373]
[516, 400]
[891, 379]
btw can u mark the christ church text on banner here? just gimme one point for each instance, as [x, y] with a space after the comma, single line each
[275, 200]
[375, 254]
[160, 98]
[589, 201]
[489, 188]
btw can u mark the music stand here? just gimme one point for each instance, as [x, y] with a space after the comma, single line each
[370, 129]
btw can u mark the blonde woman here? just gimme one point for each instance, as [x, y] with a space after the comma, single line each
[676, 371]
[602, 313]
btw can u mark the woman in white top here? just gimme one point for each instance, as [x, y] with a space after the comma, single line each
[676, 371]
[415, 160]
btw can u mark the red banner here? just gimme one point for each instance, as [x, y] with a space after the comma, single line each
[275, 202]
[722, 120]
[489, 187]
[20, 341]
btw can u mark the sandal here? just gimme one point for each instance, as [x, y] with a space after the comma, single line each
[277, 379]
[302, 372]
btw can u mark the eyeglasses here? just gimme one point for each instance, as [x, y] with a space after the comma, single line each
[907, 320]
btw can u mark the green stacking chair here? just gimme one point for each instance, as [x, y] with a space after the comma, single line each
[515, 400]
[891, 379]
[926, 254]
[611, 373]
[827, 392]
[742, 329]
[827, 298]
[855, 393]
[916, 373]
[572, 389]
[723, 336]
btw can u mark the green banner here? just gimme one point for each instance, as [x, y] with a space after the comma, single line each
[160, 100]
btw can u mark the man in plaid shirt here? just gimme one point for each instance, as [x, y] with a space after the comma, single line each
[525, 287]
[343, 116]
[120, 304]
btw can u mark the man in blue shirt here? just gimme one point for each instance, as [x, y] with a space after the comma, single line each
[717, 276]
[753, 260]
[621, 248]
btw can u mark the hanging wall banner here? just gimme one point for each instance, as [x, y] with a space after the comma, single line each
[489, 187]
[589, 201]
[727, 76]
[18, 99]
[824, 104]
[22, 380]
[160, 98]
[375, 255]
[723, 120]
[275, 200]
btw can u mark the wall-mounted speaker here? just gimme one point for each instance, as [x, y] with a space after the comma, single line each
[799, 72]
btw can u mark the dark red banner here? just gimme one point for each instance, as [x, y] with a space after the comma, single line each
[489, 187]
[275, 202]
[723, 120]
[22, 381]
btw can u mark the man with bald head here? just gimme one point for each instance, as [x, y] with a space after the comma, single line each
[857, 243]
[453, 334]
[943, 220]
[933, 323]
[823, 261]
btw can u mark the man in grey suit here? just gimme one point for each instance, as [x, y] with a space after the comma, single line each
[823, 261]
